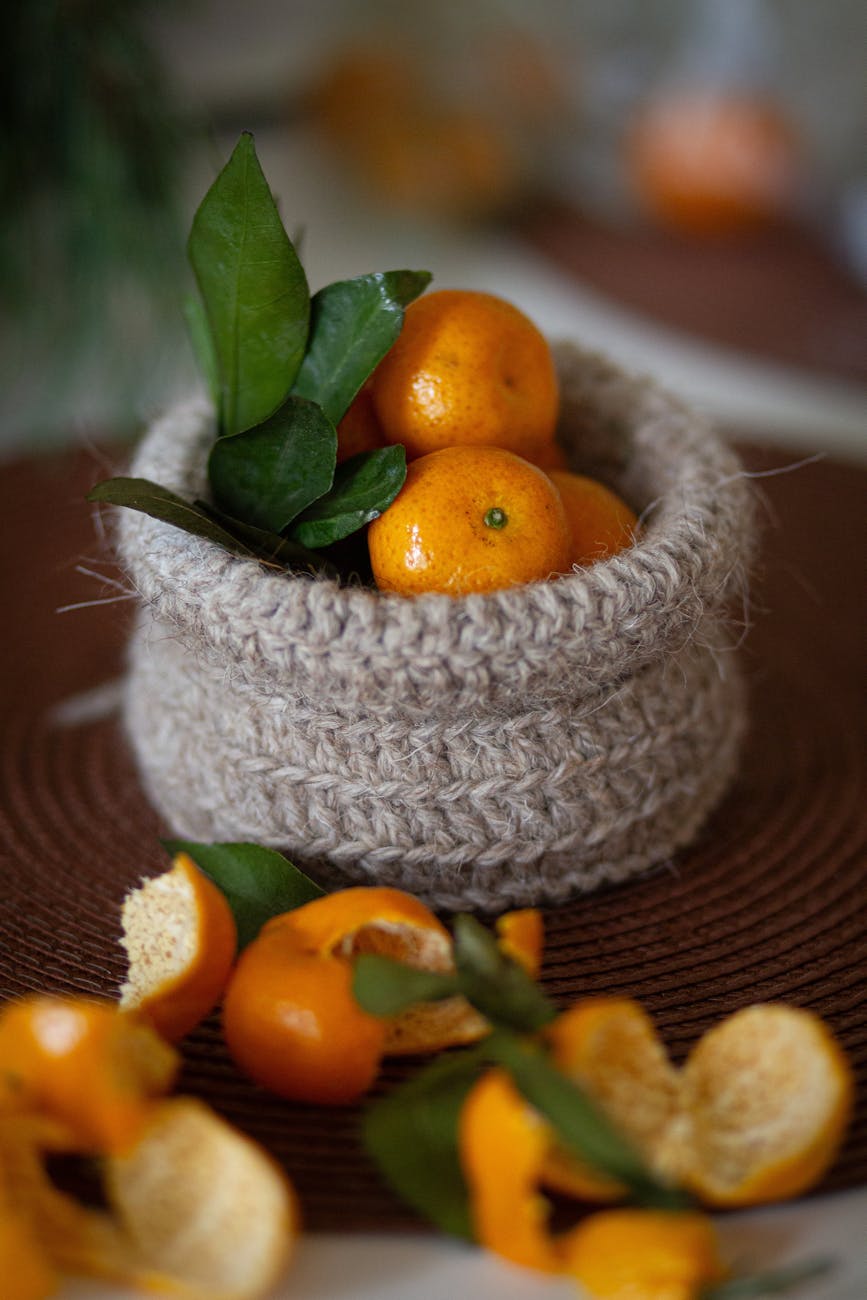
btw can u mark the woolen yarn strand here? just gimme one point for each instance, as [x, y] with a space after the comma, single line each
[493, 750]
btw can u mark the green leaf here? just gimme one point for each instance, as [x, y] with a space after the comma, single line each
[364, 486]
[385, 987]
[158, 502]
[254, 290]
[412, 1135]
[579, 1123]
[271, 548]
[776, 1282]
[353, 323]
[268, 475]
[494, 983]
[258, 883]
[203, 346]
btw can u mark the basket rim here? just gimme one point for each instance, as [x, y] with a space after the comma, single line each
[594, 624]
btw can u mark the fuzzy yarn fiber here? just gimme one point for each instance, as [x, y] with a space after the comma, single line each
[488, 751]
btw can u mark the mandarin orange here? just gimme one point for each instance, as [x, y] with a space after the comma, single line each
[467, 368]
[713, 164]
[291, 1023]
[600, 521]
[470, 519]
[359, 430]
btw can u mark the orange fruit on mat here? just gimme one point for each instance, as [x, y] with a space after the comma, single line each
[359, 430]
[180, 939]
[644, 1255]
[83, 1064]
[756, 1114]
[600, 521]
[713, 164]
[467, 368]
[470, 519]
[290, 1018]
[292, 1024]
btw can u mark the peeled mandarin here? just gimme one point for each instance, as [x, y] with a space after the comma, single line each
[470, 519]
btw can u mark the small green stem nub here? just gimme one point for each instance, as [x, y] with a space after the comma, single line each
[496, 518]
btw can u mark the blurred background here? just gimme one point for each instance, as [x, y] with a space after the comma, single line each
[680, 183]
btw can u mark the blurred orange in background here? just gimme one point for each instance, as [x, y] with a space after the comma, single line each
[713, 163]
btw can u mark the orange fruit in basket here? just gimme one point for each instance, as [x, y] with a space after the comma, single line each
[467, 368]
[601, 523]
[359, 430]
[713, 164]
[756, 1114]
[470, 519]
[180, 939]
[651, 1254]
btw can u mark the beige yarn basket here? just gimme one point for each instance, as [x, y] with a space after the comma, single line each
[494, 750]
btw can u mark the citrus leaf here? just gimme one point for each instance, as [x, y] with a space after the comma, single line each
[203, 346]
[385, 987]
[364, 486]
[158, 502]
[267, 475]
[412, 1135]
[271, 548]
[353, 323]
[254, 290]
[495, 984]
[579, 1124]
[780, 1281]
[258, 883]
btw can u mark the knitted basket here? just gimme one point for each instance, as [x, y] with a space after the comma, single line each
[503, 749]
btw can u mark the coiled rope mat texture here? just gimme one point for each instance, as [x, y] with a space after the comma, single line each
[769, 903]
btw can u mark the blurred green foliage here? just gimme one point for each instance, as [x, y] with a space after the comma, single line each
[91, 243]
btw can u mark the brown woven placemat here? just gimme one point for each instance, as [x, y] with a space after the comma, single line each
[770, 903]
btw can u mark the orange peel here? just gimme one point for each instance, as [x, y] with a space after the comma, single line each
[616, 1254]
[643, 1255]
[85, 1066]
[180, 940]
[391, 923]
[193, 1207]
[756, 1114]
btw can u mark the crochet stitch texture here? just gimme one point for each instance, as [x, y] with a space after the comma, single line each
[488, 751]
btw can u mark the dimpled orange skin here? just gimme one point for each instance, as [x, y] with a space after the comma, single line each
[467, 367]
[292, 1024]
[434, 536]
[601, 522]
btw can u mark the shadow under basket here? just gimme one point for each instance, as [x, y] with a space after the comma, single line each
[486, 751]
